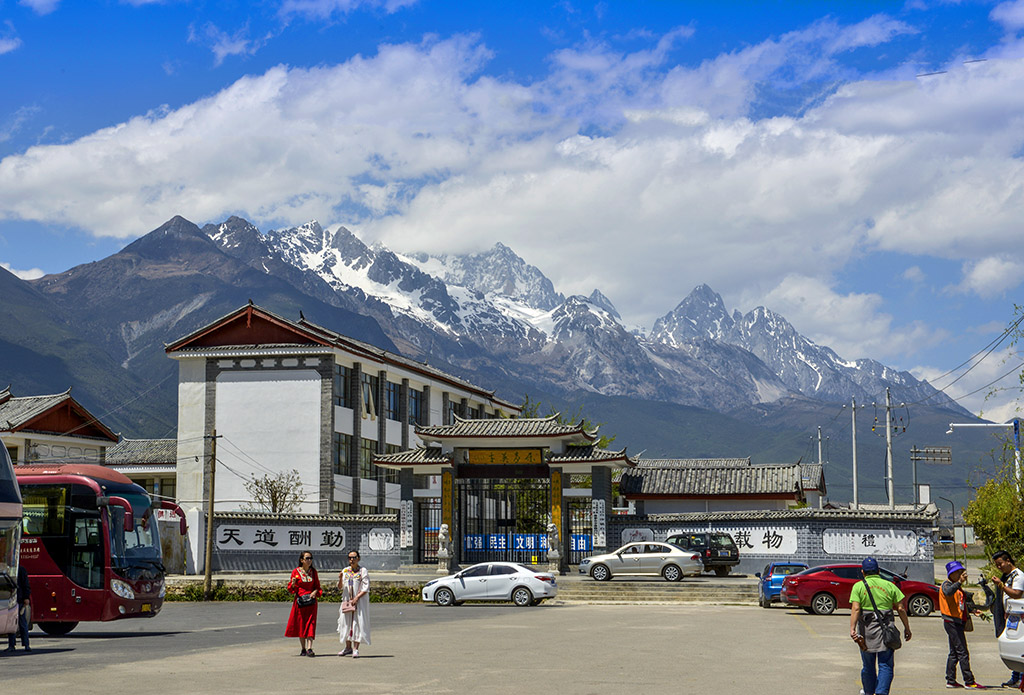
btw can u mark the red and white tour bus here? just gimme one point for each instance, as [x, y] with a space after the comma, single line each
[91, 545]
[10, 533]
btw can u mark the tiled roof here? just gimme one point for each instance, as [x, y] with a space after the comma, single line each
[712, 481]
[145, 468]
[581, 454]
[505, 427]
[925, 514]
[693, 463]
[300, 518]
[136, 451]
[15, 412]
[429, 454]
[812, 476]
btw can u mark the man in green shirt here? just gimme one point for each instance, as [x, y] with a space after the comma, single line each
[876, 659]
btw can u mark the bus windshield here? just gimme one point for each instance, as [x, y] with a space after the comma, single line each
[138, 546]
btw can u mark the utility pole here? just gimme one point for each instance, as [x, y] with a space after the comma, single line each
[853, 413]
[888, 449]
[819, 445]
[208, 564]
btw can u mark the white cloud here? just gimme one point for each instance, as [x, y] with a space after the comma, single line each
[992, 276]
[990, 387]
[851, 324]
[9, 41]
[325, 9]
[23, 274]
[223, 44]
[612, 169]
[914, 274]
[1009, 14]
[40, 7]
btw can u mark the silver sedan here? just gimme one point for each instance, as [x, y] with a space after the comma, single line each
[660, 559]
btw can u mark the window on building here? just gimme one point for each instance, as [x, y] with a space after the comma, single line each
[342, 385]
[339, 455]
[449, 415]
[13, 451]
[367, 450]
[342, 508]
[390, 474]
[416, 407]
[476, 413]
[367, 509]
[369, 387]
[169, 488]
[394, 392]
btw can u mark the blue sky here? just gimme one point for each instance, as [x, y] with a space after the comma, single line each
[856, 167]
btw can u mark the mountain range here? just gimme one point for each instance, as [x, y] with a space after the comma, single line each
[489, 317]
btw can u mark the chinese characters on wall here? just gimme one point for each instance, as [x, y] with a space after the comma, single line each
[279, 537]
[870, 542]
[760, 540]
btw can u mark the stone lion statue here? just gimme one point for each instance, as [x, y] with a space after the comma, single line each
[444, 541]
[553, 544]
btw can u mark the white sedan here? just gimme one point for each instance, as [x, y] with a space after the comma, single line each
[492, 581]
[1011, 642]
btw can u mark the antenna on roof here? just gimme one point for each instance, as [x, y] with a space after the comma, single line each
[301, 316]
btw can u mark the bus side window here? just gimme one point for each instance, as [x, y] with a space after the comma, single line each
[86, 568]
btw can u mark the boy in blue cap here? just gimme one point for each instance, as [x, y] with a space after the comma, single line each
[866, 630]
[955, 617]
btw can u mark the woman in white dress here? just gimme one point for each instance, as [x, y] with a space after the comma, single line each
[354, 625]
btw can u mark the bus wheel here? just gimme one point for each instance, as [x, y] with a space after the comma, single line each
[57, 629]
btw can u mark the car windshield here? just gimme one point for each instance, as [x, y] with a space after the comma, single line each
[140, 545]
[787, 569]
[722, 540]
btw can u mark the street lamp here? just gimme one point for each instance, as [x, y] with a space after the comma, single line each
[952, 509]
[1016, 439]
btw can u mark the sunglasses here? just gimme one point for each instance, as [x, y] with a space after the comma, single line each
[353, 557]
[307, 558]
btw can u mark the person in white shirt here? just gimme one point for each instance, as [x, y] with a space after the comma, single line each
[1012, 586]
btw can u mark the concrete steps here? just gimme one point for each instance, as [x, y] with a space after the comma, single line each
[624, 591]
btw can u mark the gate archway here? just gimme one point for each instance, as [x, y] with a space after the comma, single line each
[503, 519]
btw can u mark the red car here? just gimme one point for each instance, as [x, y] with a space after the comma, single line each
[823, 589]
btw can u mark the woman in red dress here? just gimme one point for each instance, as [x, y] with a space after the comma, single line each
[302, 621]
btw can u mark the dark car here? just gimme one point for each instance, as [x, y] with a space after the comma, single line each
[769, 580]
[823, 589]
[717, 550]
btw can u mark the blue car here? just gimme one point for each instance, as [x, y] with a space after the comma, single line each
[769, 581]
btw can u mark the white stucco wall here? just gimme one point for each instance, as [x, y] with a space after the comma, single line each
[268, 420]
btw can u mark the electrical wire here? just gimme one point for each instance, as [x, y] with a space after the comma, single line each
[121, 406]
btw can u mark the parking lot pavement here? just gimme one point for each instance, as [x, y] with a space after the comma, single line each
[226, 647]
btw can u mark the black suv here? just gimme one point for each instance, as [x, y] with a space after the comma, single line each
[717, 550]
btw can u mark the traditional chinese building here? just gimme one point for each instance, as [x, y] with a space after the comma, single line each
[666, 486]
[151, 463]
[501, 483]
[286, 395]
[52, 429]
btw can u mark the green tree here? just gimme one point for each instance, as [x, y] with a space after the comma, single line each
[277, 493]
[997, 512]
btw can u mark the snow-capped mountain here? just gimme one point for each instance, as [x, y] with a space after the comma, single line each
[493, 311]
[803, 366]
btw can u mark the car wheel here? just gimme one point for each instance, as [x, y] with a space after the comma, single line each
[444, 597]
[672, 573]
[721, 571]
[823, 603]
[920, 605]
[57, 629]
[600, 573]
[761, 600]
[522, 597]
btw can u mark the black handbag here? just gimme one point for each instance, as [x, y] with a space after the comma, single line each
[308, 600]
[890, 633]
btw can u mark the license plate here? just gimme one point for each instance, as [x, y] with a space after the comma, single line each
[147, 607]
[1012, 622]
[723, 553]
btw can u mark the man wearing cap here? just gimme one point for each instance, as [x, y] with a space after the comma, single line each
[955, 616]
[1009, 586]
[866, 630]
